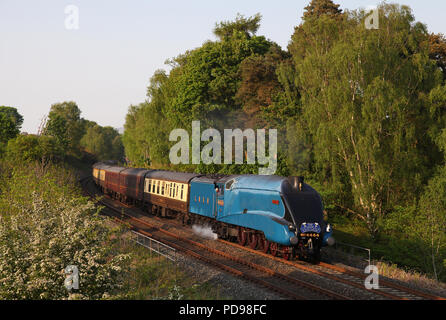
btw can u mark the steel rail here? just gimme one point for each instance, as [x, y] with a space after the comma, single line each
[386, 284]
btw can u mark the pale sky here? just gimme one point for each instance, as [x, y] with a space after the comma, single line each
[105, 65]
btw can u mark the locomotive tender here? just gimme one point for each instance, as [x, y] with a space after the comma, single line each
[283, 216]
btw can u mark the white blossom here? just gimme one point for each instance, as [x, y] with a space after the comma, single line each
[41, 236]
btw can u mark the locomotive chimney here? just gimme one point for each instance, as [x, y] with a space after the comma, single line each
[297, 182]
[300, 183]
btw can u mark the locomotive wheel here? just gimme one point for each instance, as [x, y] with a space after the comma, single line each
[274, 249]
[241, 238]
[253, 241]
[286, 252]
[264, 245]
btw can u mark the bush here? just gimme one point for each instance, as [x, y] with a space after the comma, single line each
[45, 226]
[26, 148]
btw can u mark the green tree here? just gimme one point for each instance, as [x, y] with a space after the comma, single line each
[202, 85]
[430, 223]
[259, 85]
[26, 148]
[247, 26]
[117, 148]
[316, 8]
[287, 104]
[206, 80]
[131, 137]
[65, 124]
[146, 135]
[103, 142]
[13, 114]
[437, 51]
[362, 105]
[10, 124]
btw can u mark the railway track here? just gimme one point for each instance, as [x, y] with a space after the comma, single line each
[280, 283]
[387, 289]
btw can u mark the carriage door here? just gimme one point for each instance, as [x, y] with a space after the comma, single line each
[220, 200]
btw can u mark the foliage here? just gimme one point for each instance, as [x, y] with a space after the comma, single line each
[10, 124]
[65, 124]
[45, 226]
[248, 26]
[104, 142]
[202, 85]
[207, 80]
[77, 136]
[316, 8]
[30, 148]
[259, 85]
[145, 135]
[437, 51]
[432, 218]
[146, 129]
[363, 96]
[13, 114]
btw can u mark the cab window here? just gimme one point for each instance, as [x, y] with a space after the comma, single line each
[229, 184]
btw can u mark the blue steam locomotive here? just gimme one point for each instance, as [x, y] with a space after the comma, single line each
[282, 216]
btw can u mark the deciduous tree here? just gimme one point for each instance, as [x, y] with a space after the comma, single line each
[64, 123]
[10, 124]
[363, 105]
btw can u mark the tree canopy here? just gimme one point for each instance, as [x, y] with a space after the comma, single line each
[104, 142]
[64, 124]
[204, 84]
[437, 51]
[316, 8]
[10, 123]
[364, 105]
[30, 148]
[247, 26]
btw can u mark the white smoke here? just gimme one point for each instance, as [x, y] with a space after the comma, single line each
[204, 232]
